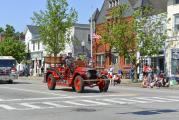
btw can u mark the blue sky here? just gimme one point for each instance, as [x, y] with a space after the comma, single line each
[18, 12]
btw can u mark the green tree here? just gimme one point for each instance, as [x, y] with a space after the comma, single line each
[141, 33]
[9, 31]
[1, 30]
[10, 47]
[54, 23]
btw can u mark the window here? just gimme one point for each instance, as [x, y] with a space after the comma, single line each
[110, 4]
[176, 1]
[38, 45]
[177, 22]
[100, 60]
[33, 46]
[89, 38]
[153, 62]
[113, 3]
[127, 61]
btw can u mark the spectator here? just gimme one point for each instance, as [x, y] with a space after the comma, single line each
[120, 73]
[132, 73]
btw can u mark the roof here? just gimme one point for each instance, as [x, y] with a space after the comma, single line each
[33, 29]
[95, 15]
[159, 6]
[81, 25]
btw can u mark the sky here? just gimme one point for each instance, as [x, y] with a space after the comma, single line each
[18, 13]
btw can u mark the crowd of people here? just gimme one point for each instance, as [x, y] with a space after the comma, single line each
[151, 79]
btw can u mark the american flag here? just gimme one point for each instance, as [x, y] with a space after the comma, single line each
[96, 36]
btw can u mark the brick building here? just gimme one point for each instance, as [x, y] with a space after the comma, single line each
[103, 55]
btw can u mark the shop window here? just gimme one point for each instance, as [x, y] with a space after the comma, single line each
[175, 61]
[176, 1]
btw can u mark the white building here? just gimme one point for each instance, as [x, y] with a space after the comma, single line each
[172, 44]
[80, 44]
[35, 48]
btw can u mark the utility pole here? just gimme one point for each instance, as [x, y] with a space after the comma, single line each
[91, 32]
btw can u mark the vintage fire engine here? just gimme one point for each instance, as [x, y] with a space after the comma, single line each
[76, 75]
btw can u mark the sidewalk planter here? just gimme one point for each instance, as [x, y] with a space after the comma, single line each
[173, 80]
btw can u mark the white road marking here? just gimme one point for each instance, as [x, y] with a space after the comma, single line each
[32, 91]
[114, 101]
[149, 99]
[131, 100]
[95, 102]
[172, 100]
[7, 107]
[30, 105]
[54, 104]
[67, 97]
[74, 103]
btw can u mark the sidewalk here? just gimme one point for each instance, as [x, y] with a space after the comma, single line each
[128, 82]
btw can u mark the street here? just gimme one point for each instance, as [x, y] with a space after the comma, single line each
[31, 100]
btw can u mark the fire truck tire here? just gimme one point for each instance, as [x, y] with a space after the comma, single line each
[10, 81]
[103, 87]
[51, 82]
[79, 84]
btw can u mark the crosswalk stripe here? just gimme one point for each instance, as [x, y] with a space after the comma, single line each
[30, 105]
[54, 104]
[114, 101]
[7, 107]
[74, 103]
[168, 99]
[150, 99]
[95, 102]
[131, 100]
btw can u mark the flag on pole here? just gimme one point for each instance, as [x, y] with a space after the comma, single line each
[96, 36]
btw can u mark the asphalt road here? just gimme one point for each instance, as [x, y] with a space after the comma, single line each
[31, 100]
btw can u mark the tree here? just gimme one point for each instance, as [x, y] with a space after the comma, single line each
[1, 30]
[54, 23]
[10, 47]
[9, 31]
[141, 33]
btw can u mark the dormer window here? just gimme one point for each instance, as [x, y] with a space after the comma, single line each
[113, 3]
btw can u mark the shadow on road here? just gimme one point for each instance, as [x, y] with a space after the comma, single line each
[85, 90]
[151, 112]
[4, 82]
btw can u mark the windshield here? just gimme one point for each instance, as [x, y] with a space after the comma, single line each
[7, 63]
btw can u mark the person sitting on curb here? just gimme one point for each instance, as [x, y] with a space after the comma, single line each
[145, 82]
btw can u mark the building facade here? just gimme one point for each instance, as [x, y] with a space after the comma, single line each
[79, 44]
[103, 55]
[172, 43]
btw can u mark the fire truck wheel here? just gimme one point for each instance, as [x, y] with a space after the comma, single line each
[104, 85]
[10, 81]
[51, 83]
[79, 84]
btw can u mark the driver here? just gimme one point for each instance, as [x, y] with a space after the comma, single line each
[69, 62]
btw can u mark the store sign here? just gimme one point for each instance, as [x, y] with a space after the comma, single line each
[175, 54]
